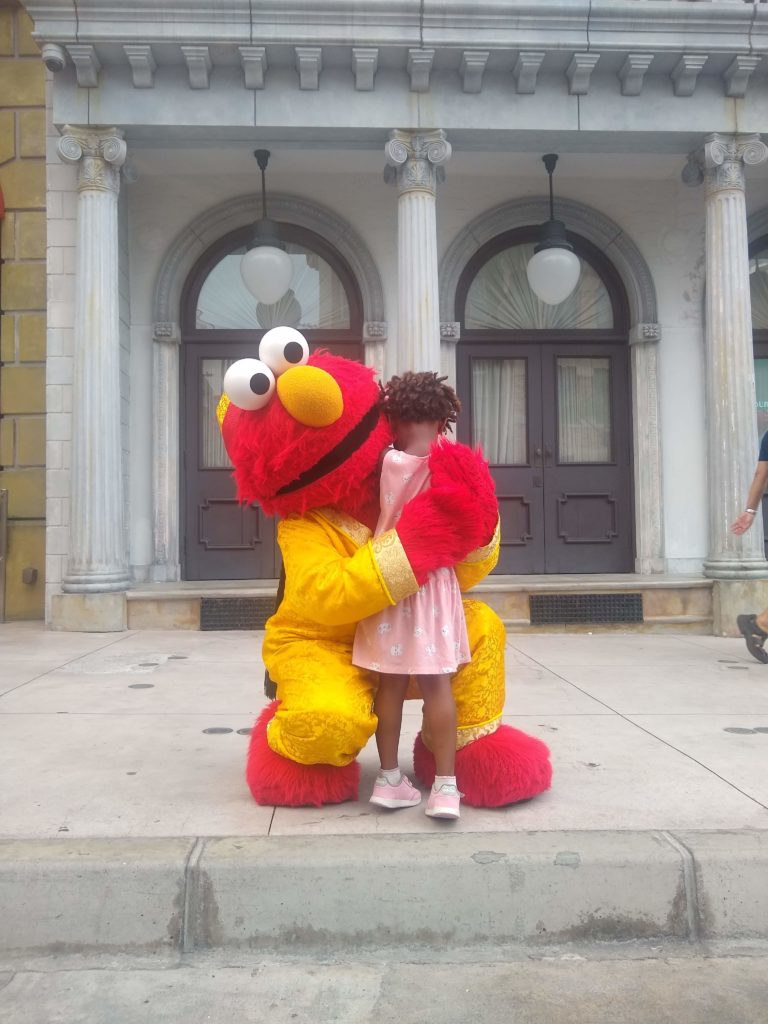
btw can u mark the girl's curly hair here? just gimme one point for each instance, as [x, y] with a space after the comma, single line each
[417, 397]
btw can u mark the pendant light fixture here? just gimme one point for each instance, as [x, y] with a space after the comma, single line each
[266, 267]
[554, 268]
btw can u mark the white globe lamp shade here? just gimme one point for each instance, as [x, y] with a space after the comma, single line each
[553, 273]
[266, 272]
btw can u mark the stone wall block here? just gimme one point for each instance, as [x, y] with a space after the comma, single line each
[7, 136]
[7, 432]
[32, 337]
[23, 183]
[22, 389]
[32, 133]
[30, 441]
[24, 285]
[30, 236]
[26, 550]
[6, 32]
[26, 45]
[22, 83]
[7, 338]
[26, 492]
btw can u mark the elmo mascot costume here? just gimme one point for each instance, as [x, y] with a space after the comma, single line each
[305, 434]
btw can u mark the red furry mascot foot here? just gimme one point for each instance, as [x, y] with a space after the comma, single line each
[273, 779]
[504, 768]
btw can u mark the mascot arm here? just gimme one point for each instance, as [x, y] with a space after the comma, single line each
[333, 588]
[479, 563]
[457, 516]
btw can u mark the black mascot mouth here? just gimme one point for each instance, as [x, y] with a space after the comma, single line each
[338, 455]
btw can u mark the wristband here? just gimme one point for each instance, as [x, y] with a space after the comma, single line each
[752, 511]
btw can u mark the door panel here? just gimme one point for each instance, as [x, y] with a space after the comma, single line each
[553, 422]
[587, 459]
[502, 410]
[222, 539]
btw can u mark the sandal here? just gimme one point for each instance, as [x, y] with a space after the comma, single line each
[754, 636]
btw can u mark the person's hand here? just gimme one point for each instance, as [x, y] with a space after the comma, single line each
[742, 523]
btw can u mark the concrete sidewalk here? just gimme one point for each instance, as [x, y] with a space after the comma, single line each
[122, 795]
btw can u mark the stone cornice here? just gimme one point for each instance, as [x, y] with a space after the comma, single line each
[599, 26]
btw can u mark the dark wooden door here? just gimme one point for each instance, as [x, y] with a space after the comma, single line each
[554, 421]
[223, 540]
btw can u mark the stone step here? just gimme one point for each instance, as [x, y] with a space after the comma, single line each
[330, 892]
[670, 604]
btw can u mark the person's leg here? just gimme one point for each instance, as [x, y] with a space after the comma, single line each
[495, 764]
[440, 720]
[388, 708]
[391, 789]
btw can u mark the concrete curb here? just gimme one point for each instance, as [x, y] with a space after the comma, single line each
[349, 892]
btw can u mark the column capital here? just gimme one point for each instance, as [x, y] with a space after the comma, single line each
[725, 157]
[100, 153]
[415, 160]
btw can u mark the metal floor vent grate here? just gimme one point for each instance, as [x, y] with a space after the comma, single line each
[561, 609]
[235, 612]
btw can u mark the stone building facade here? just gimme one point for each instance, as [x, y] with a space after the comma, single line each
[406, 174]
[23, 322]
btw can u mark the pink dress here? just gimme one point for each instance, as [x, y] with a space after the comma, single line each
[425, 634]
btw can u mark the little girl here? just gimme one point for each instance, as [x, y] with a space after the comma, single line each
[424, 635]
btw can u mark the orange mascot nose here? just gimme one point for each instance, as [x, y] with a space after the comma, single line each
[310, 395]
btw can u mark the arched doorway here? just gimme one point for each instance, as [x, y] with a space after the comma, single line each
[546, 391]
[220, 323]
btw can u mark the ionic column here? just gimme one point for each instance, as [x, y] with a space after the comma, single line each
[97, 542]
[732, 428]
[415, 164]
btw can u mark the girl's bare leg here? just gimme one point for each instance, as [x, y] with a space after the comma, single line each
[388, 707]
[440, 719]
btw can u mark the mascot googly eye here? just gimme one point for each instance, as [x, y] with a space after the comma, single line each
[249, 384]
[282, 348]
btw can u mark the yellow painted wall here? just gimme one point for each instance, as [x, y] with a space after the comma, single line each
[22, 301]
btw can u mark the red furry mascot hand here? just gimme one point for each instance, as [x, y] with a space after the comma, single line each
[457, 515]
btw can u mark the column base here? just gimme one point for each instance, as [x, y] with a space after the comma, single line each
[91, 583]
[736, 597]
[89, 613]
[736, 569]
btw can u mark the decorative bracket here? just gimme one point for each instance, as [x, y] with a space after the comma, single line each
[254, 62]
[420, 68]
[365, 63]
[87, 65]
[472, 68]
[579, 72]
[632, 73]
[526, 71]
[686, 73]
[198, 61]
[143, 65]
[309, 64]
[450, 330]
[736, 76]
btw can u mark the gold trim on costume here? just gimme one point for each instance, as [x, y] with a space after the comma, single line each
[354, 529]
[480, 554]
[465, 736]
[393, 565]
[221, 409]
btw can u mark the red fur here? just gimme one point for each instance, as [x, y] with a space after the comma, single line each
[504, 768]
[457, 515]
[269, 448]
[273, 779]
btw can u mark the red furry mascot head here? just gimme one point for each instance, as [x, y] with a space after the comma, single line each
[302, 430]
